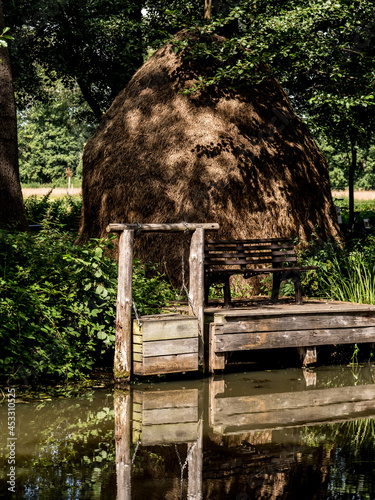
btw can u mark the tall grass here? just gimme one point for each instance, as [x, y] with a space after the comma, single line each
[345, 272]
[350, 277]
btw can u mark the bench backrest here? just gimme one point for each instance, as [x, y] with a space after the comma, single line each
[249, 253]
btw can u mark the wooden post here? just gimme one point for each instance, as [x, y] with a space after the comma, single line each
[123, 344]
[308, 355]
[123, 426]
[196, 285]
[195, 470]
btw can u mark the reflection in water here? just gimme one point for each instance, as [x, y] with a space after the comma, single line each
[261, 435]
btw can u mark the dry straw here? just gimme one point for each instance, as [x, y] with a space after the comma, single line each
[241, 158]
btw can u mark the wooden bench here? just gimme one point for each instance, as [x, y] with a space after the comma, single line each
[225, 258]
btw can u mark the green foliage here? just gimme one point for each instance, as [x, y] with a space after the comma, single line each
[65, 212]
[51, 136]
[58, 299]
[346, 273]
[4, 37]
[92, 43]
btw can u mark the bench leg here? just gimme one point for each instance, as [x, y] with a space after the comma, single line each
[227, 297]
[206, 291]
[276, 281]
[298, 290]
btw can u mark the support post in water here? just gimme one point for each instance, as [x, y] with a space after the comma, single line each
[123, 434]
[196, 285]
[123, 344]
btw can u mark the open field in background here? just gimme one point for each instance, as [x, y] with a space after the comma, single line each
[358, 195]
[56, 192]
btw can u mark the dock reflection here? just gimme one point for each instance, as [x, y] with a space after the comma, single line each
[241, 436]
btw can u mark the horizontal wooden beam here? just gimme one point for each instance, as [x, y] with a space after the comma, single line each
[295, 338]
[163, 228]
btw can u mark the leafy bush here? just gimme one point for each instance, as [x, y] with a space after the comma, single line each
[58, 301]
[64, 212]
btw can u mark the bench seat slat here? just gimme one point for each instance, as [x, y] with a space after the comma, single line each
[227, 262]
[234, 248]
[264, 270]
[264, 240]
[221, 255]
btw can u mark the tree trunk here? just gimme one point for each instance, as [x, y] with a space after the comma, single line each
[352, 167]
[12, 211]
[207, 9]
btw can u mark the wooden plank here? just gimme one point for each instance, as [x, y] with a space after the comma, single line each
[123, 348]
[215, 261]
[152, 435]
[264, 240]
[170, 415]
[196, 284]
[227, 406]
[294, 322]
[266, 311]
[171, 346]
[166, 398]
[290, 417]
[263, 270]
[181, 226]
[296, 338]
[247, 254]
[176, 327]
[271, 249]
[166, 364]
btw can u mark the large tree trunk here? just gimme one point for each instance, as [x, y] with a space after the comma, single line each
[12, 212]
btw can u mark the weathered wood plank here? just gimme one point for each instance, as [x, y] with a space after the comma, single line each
[196, 284]
[165, 364]
[170, 415]
[180, 226]
[297, 322]
[292, 417]
[151, 435]
[296, 338]
[227, 406]
[266, 311]
[123, 348]
[167, 347]
[166, 398]
[264, 240]
[164, 328]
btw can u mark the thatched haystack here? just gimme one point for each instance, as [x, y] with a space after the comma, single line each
[240, 158]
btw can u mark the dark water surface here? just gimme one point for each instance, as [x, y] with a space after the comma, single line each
[285, 434]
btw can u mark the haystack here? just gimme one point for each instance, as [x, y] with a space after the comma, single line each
[241, 158]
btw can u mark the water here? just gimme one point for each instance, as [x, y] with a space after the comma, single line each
[285, 434]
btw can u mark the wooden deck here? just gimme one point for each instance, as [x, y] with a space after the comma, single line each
[276, 326]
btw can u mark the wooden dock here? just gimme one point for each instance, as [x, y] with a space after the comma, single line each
[277, 326]
[169, 343]
[158, 345]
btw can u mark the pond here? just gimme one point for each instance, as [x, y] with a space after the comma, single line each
[285, 434]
